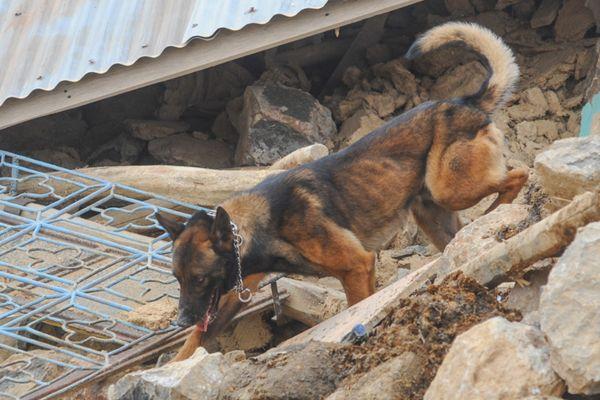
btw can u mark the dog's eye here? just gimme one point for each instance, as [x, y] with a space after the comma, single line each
[199, 279]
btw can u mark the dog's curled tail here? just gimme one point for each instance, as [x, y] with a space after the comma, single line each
[503, 70]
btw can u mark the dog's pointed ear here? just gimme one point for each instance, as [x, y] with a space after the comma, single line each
[221, 234]
[171, 225]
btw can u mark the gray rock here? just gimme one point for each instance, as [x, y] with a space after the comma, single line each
[573, 21]
[545, 14]
[149, 129]
[570, 167]
[526, 299]
[570, 312]
[384, 382]
[196, 378]
[277, 120]
[184, 149]
[496, 359]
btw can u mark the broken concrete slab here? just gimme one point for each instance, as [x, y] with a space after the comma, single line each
[570, 167]
[496, 359]
[569, 314]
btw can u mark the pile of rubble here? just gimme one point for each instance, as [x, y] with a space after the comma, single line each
[508, 310]
[258, 109]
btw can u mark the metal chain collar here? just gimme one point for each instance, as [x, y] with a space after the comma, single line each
[244, 294]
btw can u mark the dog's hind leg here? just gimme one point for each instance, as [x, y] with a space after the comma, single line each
[229, 306]
[439, 224]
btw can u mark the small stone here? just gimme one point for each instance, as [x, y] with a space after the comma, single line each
[301, 156]
[554, 105]
[148, 129]
[570, 167]
[535, 97]
[359, 125]
[382, 103]
[545, 13]
[573, 102]
[404, 81]
[496, 359]
[154, 315]
[569, 315]
[573, 21]
[460, 81]
[183, 149]
[351, 76]
[526, 299]
[277, 120]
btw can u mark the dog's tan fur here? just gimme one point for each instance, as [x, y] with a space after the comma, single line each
[330, 216]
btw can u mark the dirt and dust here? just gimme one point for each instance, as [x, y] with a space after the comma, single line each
[425, 324]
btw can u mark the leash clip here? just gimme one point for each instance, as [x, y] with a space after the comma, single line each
[245, 295]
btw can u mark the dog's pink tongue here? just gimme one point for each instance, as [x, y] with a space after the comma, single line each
[203, 326]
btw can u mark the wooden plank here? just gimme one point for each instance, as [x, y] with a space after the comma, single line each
[198, 55]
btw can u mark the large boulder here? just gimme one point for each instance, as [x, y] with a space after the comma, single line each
[277, 120]
[496, 359]
[187, 150]
[196, 378]
[570, 312]
[570, 167]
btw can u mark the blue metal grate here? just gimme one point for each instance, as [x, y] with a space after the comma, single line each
[76, 252]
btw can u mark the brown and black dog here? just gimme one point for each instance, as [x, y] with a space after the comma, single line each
[329, 217]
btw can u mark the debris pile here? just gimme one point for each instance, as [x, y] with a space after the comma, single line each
[508, 310]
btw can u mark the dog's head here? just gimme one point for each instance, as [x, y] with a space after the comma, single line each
[203, 263]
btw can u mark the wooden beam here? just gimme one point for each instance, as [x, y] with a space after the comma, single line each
[198, 55]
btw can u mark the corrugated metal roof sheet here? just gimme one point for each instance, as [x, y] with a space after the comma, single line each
[45, 42]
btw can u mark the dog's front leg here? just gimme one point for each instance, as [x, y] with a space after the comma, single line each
[439, 224]
[510, 187]
[229, 306]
